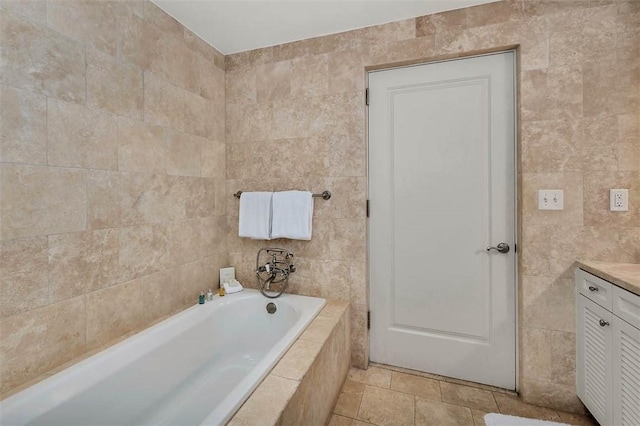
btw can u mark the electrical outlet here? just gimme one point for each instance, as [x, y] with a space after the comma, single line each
[550, 199]
[619, 200]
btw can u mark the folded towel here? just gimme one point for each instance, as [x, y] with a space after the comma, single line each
[495, 419]
[255, 215]
[292, 215]
[232, 286]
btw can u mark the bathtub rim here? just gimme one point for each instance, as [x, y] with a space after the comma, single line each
[295, 386]
[266, 365]
[84, 365]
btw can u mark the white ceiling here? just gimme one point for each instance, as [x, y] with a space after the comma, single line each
[233, 26]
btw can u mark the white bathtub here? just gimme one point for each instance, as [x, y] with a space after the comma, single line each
[197, 367]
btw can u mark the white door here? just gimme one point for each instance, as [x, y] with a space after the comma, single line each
[441, 189]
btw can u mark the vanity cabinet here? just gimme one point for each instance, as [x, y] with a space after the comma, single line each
[608, 350]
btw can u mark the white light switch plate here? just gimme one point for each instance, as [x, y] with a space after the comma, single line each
[227, 274]
[550, 199]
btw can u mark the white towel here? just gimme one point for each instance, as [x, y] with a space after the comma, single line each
[255, 215]
[495, 419]
[232, 287]
[292, 215]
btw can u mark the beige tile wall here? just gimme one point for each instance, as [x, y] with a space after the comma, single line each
[296, 119]
[113, 144]
[112, 176]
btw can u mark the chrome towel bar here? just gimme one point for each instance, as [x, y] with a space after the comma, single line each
[325, 195]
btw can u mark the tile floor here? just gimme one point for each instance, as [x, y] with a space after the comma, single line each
[385, 395]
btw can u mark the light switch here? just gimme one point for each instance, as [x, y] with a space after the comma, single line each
[550, 199]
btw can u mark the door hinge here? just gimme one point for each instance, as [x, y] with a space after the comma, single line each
[367, 208]
[368, 320]
[366, 96]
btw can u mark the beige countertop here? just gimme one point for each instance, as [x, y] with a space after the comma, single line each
[625, 275]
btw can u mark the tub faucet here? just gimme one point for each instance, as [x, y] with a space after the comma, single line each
[268, 281]
[277, 269]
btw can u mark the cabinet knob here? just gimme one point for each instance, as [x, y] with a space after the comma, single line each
[592, 288]
[603, 323]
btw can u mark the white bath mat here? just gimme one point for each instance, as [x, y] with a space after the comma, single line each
[495, 419]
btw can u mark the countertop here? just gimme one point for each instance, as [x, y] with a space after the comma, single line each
[624, 275]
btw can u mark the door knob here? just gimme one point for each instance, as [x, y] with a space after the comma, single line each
[501, 248]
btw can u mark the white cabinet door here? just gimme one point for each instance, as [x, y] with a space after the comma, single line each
[626, 373]
[594, 362]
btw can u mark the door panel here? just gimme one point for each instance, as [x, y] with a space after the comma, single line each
[594, 359]
[626, 373]
[441, 152]
[418, 170]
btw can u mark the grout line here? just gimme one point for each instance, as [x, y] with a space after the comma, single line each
[86, 66]
[49, 290]
[86, 324]
[58, 166]
[493, 396]
[360, 403]
[86, 203]
[409, 393]
[474, 419]
[445, 379]
[46, 129]
[440, 381]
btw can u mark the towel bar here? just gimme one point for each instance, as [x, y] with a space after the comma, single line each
[325, 195]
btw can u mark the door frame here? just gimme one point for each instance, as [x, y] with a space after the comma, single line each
[516, 179]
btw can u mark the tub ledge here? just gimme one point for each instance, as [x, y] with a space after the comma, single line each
[305, 384]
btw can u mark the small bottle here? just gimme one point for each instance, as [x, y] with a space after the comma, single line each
[221, 292]
[201, 298]
[209, 296]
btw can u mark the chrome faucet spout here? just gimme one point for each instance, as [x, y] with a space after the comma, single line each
[275, 270]
[267, 283]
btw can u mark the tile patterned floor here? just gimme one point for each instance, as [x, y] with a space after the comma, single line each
[385, 395]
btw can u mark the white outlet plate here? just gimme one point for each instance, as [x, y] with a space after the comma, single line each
[619, 200]
[227, 274]
[550, 199]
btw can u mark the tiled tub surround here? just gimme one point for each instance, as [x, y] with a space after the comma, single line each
[296, 119]
[304, 386]
[82, 229]
[216, 353]
[111, 177]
